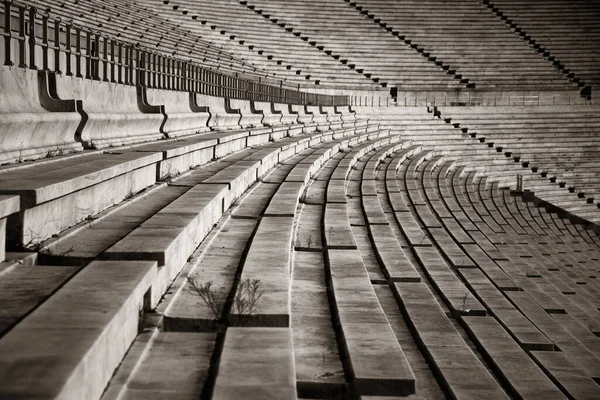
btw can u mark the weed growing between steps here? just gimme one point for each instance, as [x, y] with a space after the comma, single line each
[244, 303]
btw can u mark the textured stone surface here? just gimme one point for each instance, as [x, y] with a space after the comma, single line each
[29, 130]
[91, 320]
[379, 366]
[526, 379]
[268, 260]
[175, 365]
[256, 363]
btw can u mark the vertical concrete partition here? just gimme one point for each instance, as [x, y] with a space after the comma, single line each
[319, 116]
[333, 115]
[183, 115]
[270, 115]
[288, 116]
[114, 114]
[249, 116]
[34, 124]
[222, 116]
[304, 116]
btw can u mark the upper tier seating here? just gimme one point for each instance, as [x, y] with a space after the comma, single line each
[566, 30]
[137, 24]
[468, 38]
[360, 44]
[237, 27]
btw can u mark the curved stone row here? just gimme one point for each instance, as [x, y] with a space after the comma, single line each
[163, 225]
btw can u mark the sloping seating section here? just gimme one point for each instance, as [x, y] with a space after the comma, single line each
[560, 145]
[427, 47]
[203, 32]
[373, 255]
[469, 39]
[496, 284]
[566, 32]
[139, 24]
[162, 225]
[293, 60]
[359, 44]
[553, 151]
[197, 246]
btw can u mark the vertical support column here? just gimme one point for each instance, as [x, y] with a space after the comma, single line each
[7, 34]
[112, 61]
[132, 65]
[45, 43]
[105, 58]
[120, 63]
[57, 46]
[22, 36]
[153, 69]
[126, 65]
[139, 70]
[96, 57]
[88, 54]
[31, 40]
[78, 52]
[68, 51]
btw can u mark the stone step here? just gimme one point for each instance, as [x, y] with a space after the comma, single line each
[175, 364]
[308, 231]
[319, 370]
[459, 298]
[85, 244]
[25, 287]
[450, 249]
[524, 332]
[378, 365]
[411, 229]
[218, 264]
[395, 263]
[337, 230]
[443, 346]
[91, 320]
[268, 263]
[490, 268]
[50, 191]
[427, 386]
[285, 200]
[523, 376]
[566, 374]
[373, 212]
[173, 233]
[256, 363]
[253, 204]
[578, 353]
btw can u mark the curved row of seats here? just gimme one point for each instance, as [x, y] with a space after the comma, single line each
[477, 139]
[162, 226]
[540, 300]
[559, 145]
